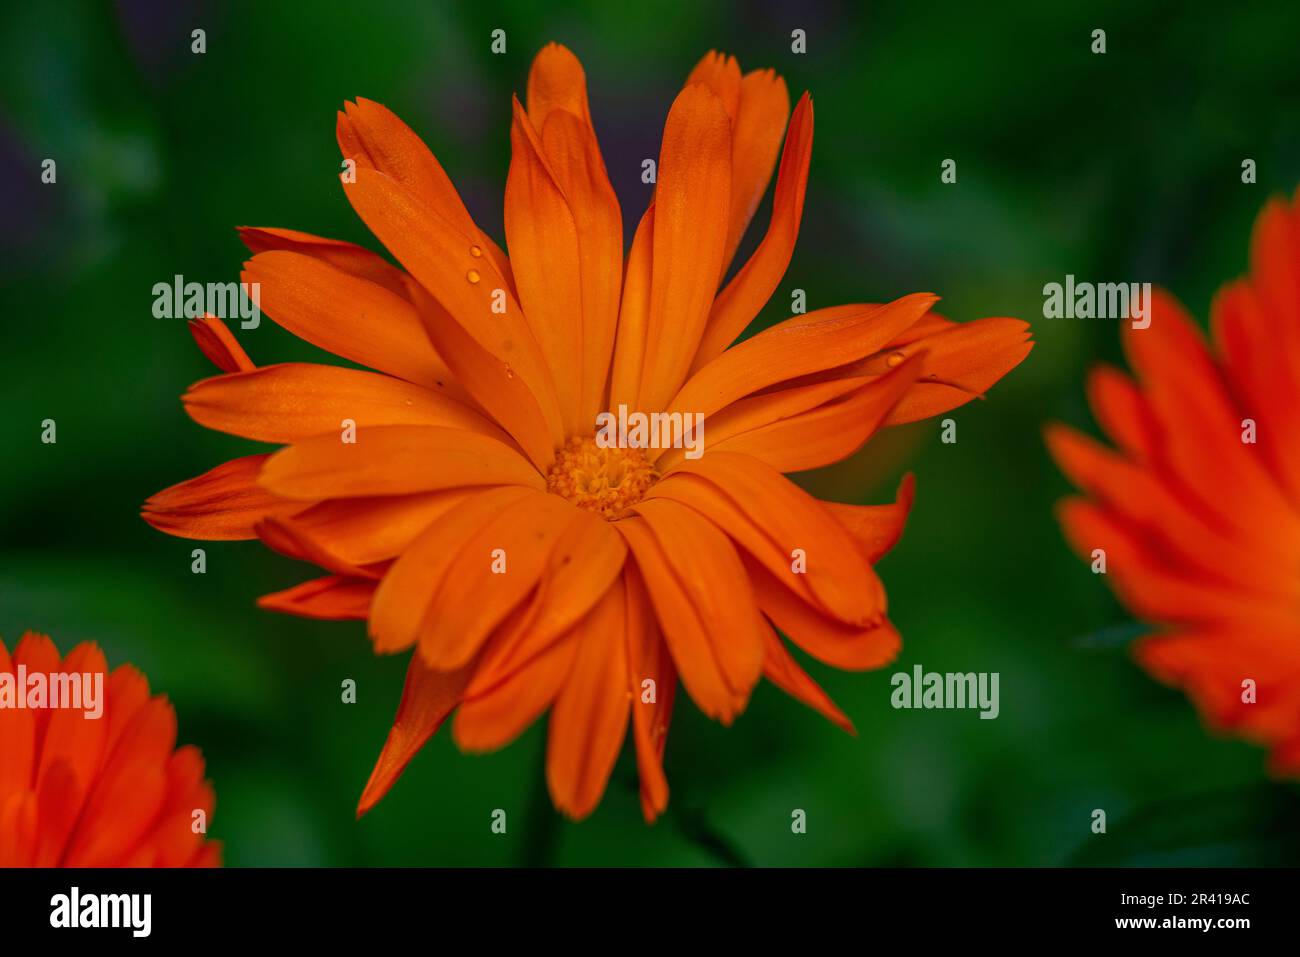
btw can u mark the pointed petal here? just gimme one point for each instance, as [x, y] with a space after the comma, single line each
[590, 714]
[648, 660]
[752, 287]
[332, 598]
[394, 460]
[222, 504]
[848, 647]
[218, 343]
[427, 698]
[633, 317]
[346, 315]
[780, 668]
[543, 239]
[410, 584]
[774, 520]
[441, 257]
[703, 602]
[343, 256]
[690, 235]
[831, 432]
[812, 343]
[297, 400]
[877, 528]
[371, 134]
[962, 362]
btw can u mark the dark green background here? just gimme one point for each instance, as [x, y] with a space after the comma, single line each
[1124, 166]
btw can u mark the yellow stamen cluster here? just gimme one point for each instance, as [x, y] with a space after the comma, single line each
[605, 481]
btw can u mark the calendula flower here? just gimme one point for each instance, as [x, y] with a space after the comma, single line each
[461, 497]
[90, 775]
[1197, 509]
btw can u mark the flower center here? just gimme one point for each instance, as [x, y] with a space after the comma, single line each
[606, 481]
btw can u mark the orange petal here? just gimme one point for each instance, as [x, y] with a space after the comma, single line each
[494, 718]
[556, 81]
[849, 647]
[1201, 426]
[345, 257]
[410, 584]
[1264, 379]
[427, 698]
[19, 822]
[333, 598]
[756, 140]
[780, 668]
[575, 159]
[721, 74]
[962, 362]
[590, 714]
[218, 343]
[753, 286]
[757, 411]
[468, 605]
[394, 460]
[1122, 410]
[1140, 575]
[778, 523]
[633, 316]
[223, 504]
[70, 736]
[467, 287]
[690, 235]
[652, 679]
[297, 400]
[284, 536]
[584, 562]
[703, 602]
[347, 315]
[18, 756]
[59, 797]
[1275, 275]
[372, 135]
[543, 239]
[802, 345]
[877, 528]
[129, 791]
[831, 432]
[1186, 535]
[366, 530]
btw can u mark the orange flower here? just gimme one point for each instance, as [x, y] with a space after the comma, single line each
[90, 775]
[476, 447]
[1198, 510]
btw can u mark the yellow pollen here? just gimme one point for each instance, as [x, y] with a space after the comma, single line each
[606, 481]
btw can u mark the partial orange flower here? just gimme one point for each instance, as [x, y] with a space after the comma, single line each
[477, 518]
[90, 775]
[1198, 507]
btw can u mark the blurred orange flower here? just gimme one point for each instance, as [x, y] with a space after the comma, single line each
[101, 786]
[1198, 509]
[458, 495]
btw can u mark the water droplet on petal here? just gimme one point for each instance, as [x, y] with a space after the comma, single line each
[472, 275]
[510, 373]
[895, 360]
[476, 251]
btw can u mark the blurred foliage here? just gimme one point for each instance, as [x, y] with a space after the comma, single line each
[1119, 166]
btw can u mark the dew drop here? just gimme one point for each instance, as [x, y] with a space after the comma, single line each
[476, 251]
[510, 373]
[895, 360]
[472, 275]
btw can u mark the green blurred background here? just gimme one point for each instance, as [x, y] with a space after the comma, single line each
[1122, 166]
